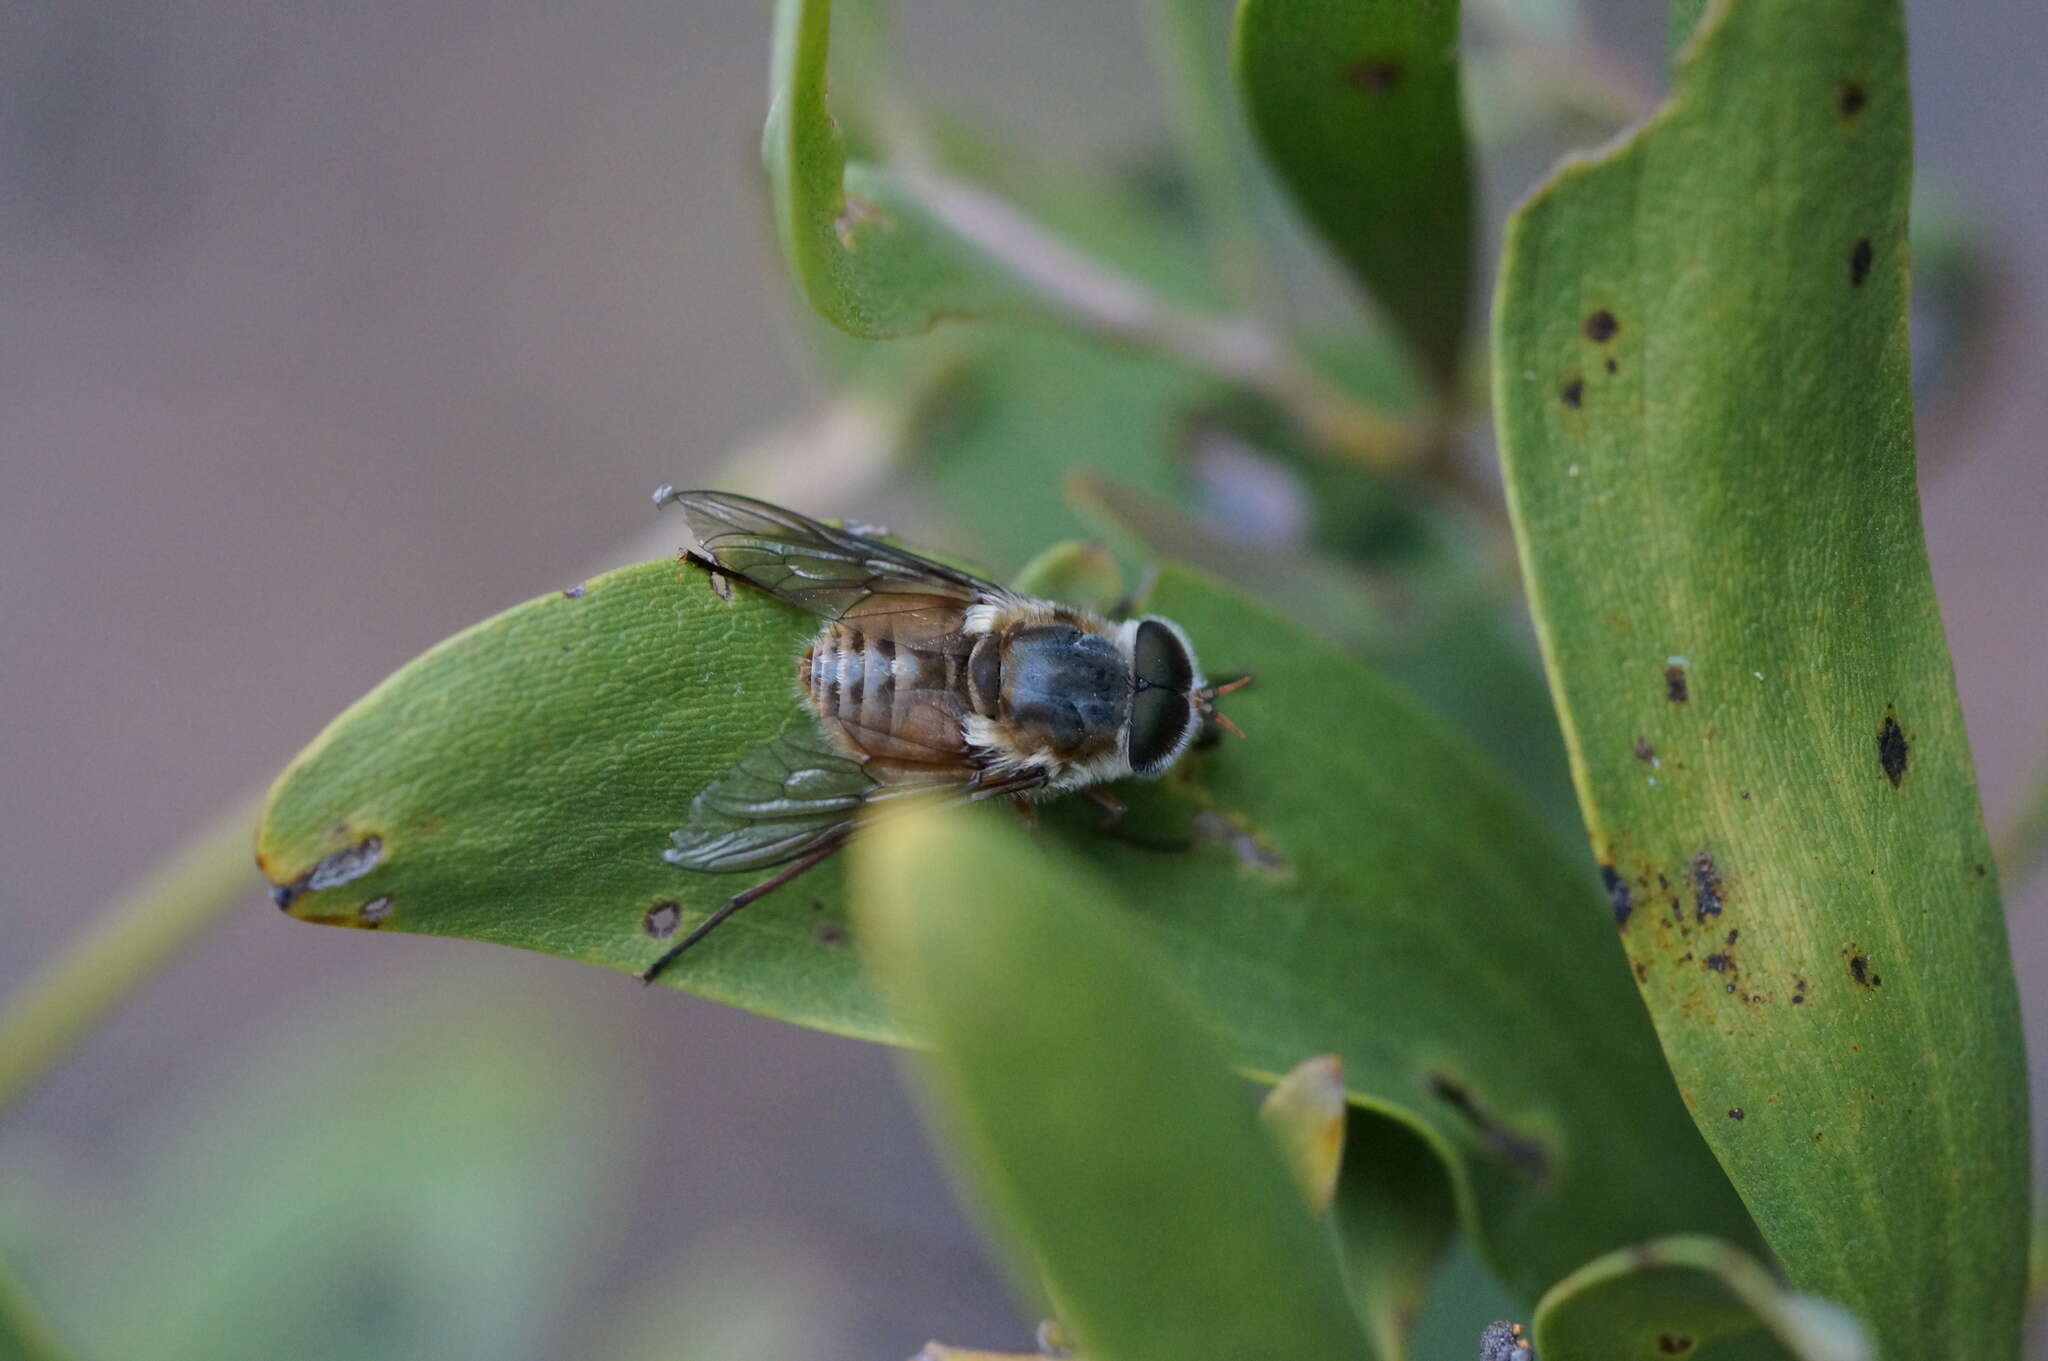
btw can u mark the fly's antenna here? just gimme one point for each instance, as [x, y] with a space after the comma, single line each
[1205, 701]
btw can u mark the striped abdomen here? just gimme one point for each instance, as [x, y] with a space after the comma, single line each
[899, 703]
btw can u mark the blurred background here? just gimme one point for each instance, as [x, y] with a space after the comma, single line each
[328, 330]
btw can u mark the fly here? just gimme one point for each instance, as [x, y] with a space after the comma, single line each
[921, 679]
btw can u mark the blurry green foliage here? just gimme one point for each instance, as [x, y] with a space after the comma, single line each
[1700, 378]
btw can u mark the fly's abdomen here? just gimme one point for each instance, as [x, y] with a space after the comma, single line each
[895, 704]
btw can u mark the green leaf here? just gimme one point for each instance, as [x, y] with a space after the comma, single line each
[1667, 1298]
[865, 250]
[1701, 381]
[1087, 1102]
[518, 783]
[1351, 880]
[1357, 108]
[1077, 572]
[25, 1334]
[1396, 1216]
[1681, 18]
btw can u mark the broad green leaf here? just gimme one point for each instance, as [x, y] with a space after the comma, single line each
[1351, 880]
[1085, 1099]
[1701, 381]
[518, 783]
[1667, 1298]
[1356, 106]
[866, 251]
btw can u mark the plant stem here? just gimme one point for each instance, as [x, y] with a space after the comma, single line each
[172, 907]
[1238, 349]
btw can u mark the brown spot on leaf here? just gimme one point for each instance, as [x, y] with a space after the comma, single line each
[1601, 326]
[1674, 1344]
[1374, 75]
[1675, 687]
[853, 216]
[829, 934]
[1851, 97]
[1613, 367]
[1645, 753]
[1892, 749]
[1860, 257]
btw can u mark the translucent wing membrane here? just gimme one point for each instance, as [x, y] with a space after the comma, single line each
[782, 799]
[827, 571]
[796, 792]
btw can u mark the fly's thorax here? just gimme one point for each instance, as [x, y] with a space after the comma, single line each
[1065, 689]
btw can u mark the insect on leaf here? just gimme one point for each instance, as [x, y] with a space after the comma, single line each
[519, 783]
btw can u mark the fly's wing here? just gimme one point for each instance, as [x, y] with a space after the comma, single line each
[795, 792]
[827, 571]
[783, 798]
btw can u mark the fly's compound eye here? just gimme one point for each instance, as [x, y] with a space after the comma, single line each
[1159, 725]
[1159, 658]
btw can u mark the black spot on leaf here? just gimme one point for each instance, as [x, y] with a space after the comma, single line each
[1674, 1344]
[1859, 262]
[1737, 1113]
[1892, 749]
[1859, 969]
[1618, 896]
[1675, 688]
[1601, 326]
[1850, 98]
[1706, 887]
[1573, 393]
[661, 920]
[1613, 367]
[1718, 963]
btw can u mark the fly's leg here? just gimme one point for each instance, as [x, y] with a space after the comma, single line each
[1113, 809]
[810, 860]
